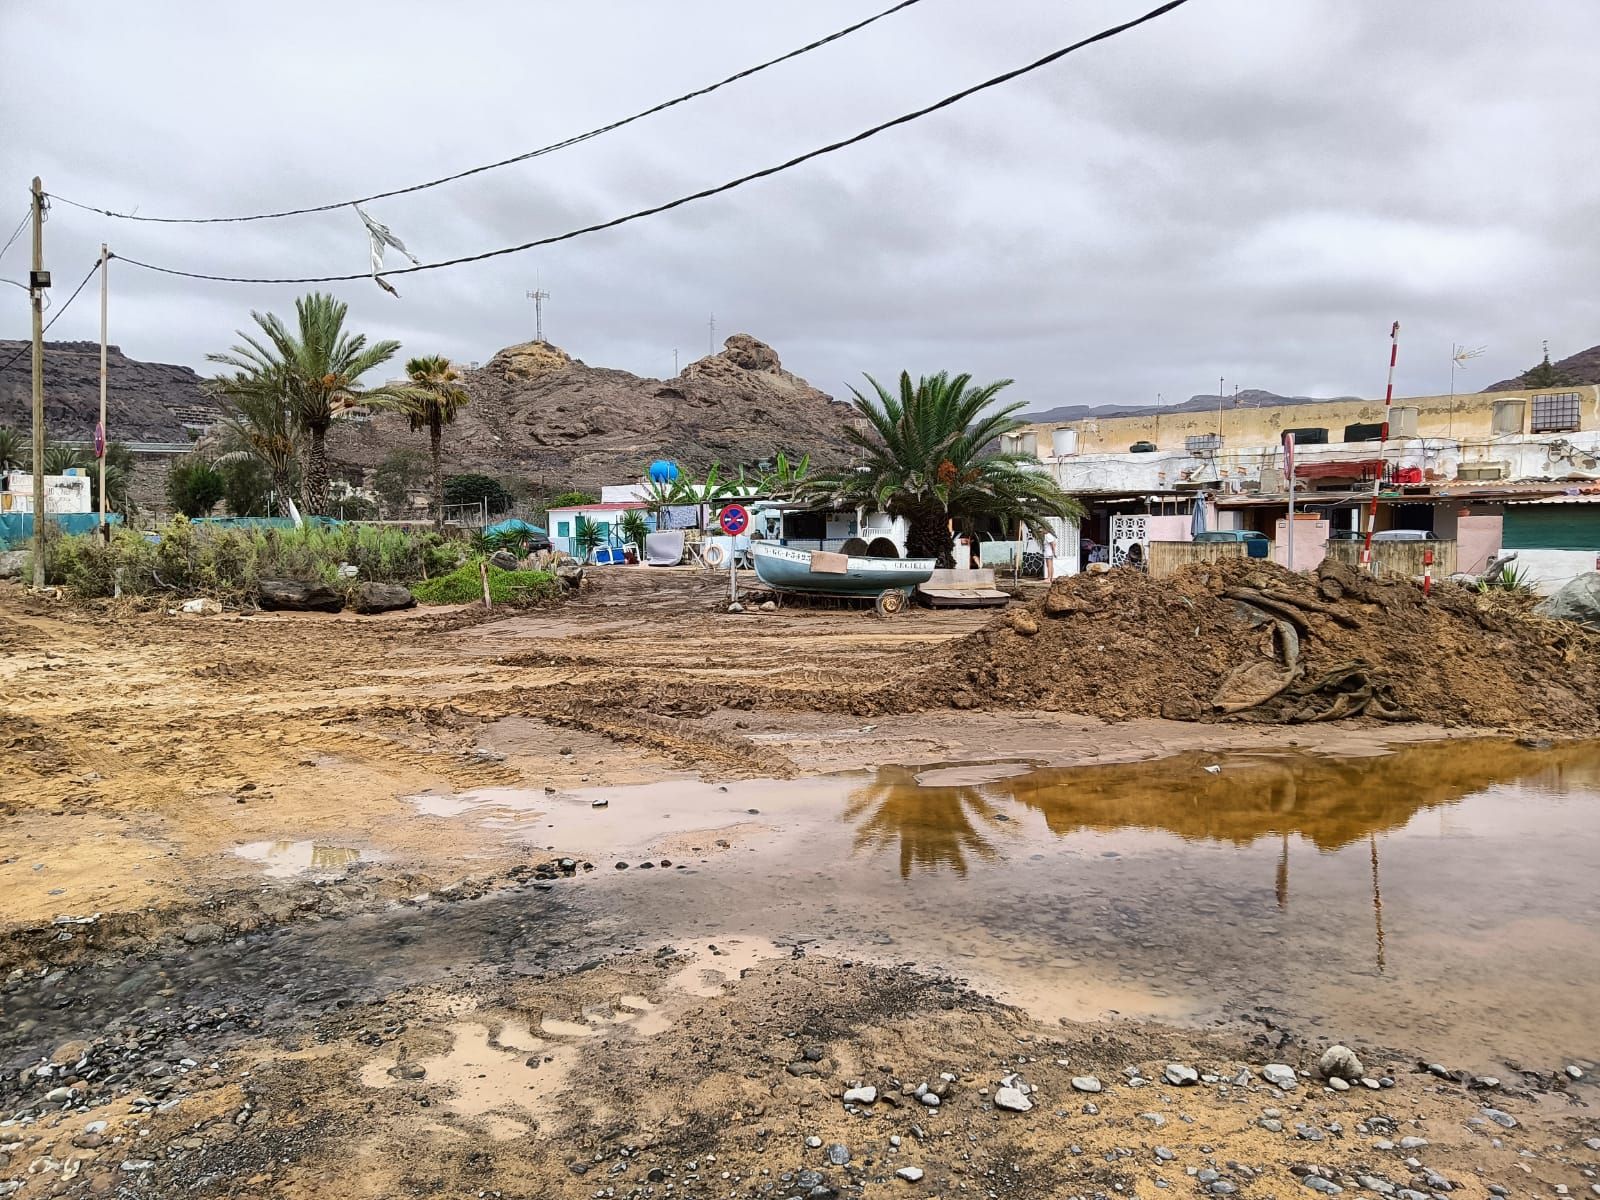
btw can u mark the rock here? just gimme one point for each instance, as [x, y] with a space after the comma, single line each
[813, 1142]
[910, 1174]
[1573, 1071]
[1179, 1075]
[1503, 1119]
[290, 595]
[930, 1099]
[1576, 600]
[861, 1095]
[1024, 622]
[798, 1069]
[200, 605]
[838, 1154]
[570, 575]
[504, 559]
[769, 606]
[372, 597]
[1338, 1084]
[196, 935]
[1318, 1184]
[1012, 1100]
[1280, 1075]
[13, 563]
[1086, 1083]
[1340, 1062]
[58, 1095]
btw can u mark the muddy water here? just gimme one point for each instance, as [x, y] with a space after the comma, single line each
[1440, 900]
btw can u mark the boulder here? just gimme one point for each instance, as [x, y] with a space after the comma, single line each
[1576, 600]
[292, 595]
[570, 575]
[1023, 622]
[1340, 1062]
[381, 597]
[13, 563]
[505, 560]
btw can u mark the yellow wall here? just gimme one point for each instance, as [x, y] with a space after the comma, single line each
[1464, 416]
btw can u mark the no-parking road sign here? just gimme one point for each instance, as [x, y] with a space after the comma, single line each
[734, 519]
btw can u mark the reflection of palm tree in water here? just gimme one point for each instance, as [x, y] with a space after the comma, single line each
[932, 826]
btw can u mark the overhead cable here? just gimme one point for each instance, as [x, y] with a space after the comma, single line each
[516, 158]
[996, 81]
[60, 312]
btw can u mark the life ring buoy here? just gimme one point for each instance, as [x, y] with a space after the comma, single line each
[714, 555]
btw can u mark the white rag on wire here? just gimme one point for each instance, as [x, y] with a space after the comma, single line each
[381, 237]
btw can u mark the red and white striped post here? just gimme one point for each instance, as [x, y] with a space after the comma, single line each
[1427, 570]
[1383, 440]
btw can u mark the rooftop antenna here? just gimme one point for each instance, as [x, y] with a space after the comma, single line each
[675, 371]
[1460, 356]
[711, 334]
[538, 296]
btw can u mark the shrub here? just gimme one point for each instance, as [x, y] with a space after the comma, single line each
[470, 489]
[464, 585]
[570, 499]
[246, 486]
[194, 486]
[185, 558]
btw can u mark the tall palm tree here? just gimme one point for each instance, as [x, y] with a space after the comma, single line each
[436, 400]
[12, 451]
[932, 458]
[257, 423]
[318, 367]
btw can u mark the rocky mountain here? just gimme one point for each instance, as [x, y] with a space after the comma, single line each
[1245, 398]
[538, 412]
[1582, 367]
[145, 402]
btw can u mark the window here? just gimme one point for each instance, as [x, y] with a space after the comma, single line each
[1508, 416]
[1556, 412]
[563, 528]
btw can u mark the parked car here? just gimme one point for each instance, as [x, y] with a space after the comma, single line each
[1257, 545]
[1403, 535]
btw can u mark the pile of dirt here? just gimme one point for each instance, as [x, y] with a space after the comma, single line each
[1250, 641]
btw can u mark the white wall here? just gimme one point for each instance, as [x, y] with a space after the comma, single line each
[62, 493]
[1547, 570]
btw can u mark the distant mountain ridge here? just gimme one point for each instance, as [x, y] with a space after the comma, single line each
[1582, 367]
[1244, 398]
[538, 412]
[145, 401]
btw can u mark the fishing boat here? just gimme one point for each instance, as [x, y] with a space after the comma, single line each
[889, 582]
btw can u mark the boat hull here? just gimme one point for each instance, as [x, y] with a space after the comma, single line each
[786, 570]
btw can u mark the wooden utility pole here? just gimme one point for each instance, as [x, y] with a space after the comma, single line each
[102, 435]
[38, 280]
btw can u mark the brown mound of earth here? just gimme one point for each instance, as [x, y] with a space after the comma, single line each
[1250, 641]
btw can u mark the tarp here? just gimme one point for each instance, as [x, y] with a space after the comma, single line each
[679, 516]
[1198, 520]
[16, 529]
[664, 548]
[1576, 600]
[515, 525]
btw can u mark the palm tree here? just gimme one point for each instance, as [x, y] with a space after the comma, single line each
[931, 458]
[317, 370]
[59, 459]
[437, 399]
[12, 450]
[257, 424]
[784, 478]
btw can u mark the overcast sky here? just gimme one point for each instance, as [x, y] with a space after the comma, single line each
[1251, 189]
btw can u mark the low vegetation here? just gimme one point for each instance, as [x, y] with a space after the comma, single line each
[464, 585]
[184, 558]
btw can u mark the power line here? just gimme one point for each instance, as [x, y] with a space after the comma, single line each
[517, 158]
[22, 224]
[1103, 35]
[60, 312]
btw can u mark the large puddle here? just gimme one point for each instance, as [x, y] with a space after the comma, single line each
[1440, 900]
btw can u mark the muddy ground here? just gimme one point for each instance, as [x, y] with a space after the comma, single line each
[449, 1016]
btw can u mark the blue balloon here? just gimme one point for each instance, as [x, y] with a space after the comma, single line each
[662, 471]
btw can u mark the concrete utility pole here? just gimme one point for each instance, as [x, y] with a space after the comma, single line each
[38, 280]
[538, 296]
[102, 436]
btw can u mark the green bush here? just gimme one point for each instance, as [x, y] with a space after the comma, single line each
[472, 488]
[194, 486]
[464, 586]
[189, 558]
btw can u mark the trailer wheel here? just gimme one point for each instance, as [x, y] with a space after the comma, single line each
[889, 603]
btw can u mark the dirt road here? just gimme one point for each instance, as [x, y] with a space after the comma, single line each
[240, 912]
